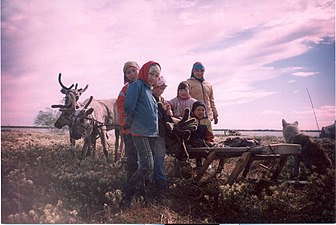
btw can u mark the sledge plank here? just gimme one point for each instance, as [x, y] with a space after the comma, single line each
[224, 152]
[241, 164]
[283, 160]
[282, 149]
[206, 163]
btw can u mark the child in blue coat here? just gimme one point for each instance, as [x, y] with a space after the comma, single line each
[141, 111]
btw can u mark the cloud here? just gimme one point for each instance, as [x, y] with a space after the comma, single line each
[325, 115]
[304, 74]
[89, 42]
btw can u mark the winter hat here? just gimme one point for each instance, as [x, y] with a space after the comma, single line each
[183, 85]
[161, 82]
[128, 65]
[196, 104]
[197, 66]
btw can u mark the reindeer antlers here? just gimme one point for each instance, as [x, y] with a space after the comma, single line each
[186, 123]
[88, 102]
[71, 103]
[62, 85]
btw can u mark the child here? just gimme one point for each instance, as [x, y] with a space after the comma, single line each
[203, 136]
[159, 176]
[141, 111]
[131, 71]
[201, 90]
[182, 101]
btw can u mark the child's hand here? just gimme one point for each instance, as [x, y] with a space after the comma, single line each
[167, 107]
[215, 120]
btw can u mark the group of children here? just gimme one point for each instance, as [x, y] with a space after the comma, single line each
[142, 115]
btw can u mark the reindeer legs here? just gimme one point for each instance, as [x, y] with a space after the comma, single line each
[103, 139]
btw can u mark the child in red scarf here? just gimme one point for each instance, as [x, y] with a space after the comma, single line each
[141, 112]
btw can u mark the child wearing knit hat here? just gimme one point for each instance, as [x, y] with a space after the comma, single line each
[131, 71]
[200, 89]
[203, 136]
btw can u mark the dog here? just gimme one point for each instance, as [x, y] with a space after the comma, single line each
[312, 155]
[289, 130]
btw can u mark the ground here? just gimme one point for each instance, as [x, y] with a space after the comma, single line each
[43, 181]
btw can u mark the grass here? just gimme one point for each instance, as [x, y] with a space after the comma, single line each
[43, 182]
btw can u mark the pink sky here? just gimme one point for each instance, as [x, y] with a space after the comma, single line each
[254, 53]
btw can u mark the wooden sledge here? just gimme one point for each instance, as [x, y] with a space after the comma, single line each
[247, 156]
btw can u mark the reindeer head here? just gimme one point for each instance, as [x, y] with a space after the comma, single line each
[66, 90]
[70, 105]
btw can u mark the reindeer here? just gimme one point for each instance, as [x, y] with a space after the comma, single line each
[69, 108]
[92, 123]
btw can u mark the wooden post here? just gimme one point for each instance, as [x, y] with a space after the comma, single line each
[241, 164]
[247, 167]
[220, 165]
[207, 162]
[276, 173]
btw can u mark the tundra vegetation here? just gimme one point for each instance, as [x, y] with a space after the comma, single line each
[42, 182]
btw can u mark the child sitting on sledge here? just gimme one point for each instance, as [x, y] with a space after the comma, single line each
[203, 136]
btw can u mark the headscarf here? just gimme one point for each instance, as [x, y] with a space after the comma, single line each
[126, 66]
[146, 68]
